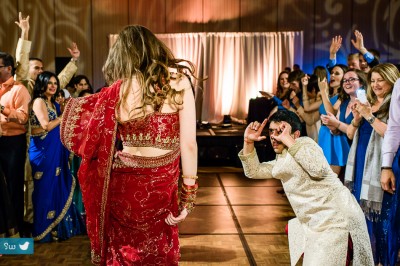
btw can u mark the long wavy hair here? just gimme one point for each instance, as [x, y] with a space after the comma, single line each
[390, 74]
[138, 53]
[41, 86]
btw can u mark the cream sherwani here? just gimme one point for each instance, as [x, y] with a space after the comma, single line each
[326, 211]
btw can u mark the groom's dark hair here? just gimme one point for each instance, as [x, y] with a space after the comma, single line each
[288, 116]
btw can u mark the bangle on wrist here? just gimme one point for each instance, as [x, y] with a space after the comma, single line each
[353, 123]
[386, 167]
[338, 125]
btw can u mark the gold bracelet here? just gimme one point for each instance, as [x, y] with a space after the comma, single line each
[190, 176]
[354, 123]
[338, 126]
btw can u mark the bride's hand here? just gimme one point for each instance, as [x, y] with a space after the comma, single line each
[172, 220]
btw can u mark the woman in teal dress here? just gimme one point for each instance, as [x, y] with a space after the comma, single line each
[55, 217]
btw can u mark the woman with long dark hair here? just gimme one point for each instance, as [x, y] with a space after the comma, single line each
[55, 218]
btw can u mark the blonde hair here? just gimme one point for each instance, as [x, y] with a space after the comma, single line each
[138, 53]
[390, 74]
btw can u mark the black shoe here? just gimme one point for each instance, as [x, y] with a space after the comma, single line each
[280, 191]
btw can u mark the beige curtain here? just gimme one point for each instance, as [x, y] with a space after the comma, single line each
[237, 65]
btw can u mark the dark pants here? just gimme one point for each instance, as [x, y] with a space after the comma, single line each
[12, 160]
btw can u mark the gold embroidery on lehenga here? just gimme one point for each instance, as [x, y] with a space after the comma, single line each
[145, 140]
[61, 215]
[58, 171]
[51, 214]
[38, 175]
[123, 160]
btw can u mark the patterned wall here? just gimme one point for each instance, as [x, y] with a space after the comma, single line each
[56, 23]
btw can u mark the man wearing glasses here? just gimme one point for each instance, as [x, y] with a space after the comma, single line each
[328, 220]
[14, 101]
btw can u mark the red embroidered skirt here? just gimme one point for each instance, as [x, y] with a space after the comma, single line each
[142, 192]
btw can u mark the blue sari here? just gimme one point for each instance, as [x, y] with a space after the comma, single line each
[55, 217]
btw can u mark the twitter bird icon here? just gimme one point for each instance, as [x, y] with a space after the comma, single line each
[24, 246]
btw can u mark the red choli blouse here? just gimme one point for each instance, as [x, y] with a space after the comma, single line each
[158, 130]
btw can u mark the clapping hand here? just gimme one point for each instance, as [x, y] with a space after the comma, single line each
[330, 120]
[364, 109]
[304, 81]
[323, 86]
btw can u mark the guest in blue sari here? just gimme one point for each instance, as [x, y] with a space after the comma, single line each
[55, 217]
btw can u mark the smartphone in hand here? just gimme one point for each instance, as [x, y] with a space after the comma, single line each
[362, 96]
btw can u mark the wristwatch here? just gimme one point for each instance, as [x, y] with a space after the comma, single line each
[371, 119]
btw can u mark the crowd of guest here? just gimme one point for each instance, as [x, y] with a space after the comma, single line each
[351, 130]
[40, 195]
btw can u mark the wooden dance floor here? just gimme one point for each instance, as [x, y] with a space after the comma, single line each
[237, 221]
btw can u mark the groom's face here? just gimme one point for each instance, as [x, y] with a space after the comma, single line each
[274, 130]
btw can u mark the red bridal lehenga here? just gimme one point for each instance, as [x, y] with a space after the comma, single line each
[126, 197]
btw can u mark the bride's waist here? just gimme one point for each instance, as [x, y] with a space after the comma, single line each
[145, 151]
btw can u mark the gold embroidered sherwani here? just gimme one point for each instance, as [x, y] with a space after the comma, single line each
[326, 211]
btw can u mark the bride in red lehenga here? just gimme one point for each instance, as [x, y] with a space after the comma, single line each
[131, 137]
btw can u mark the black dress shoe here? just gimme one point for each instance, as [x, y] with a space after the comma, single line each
[280, 191]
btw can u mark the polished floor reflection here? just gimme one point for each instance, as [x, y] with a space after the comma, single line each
[237, 221]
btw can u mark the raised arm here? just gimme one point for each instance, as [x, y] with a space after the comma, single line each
[70, 69]
[23, 49]
[308, 107]
[333, 49]
[251, 165]
[359, 45]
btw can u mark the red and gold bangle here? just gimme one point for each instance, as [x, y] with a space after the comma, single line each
[190, 176]
[188, 197]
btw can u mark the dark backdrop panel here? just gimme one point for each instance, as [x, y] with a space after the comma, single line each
[261, 15]
[332, 18]
[109, 17]
[221, 15]
[73, 23]
[154, 18]
[298, 16]
[374, 24]
[184, 16]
